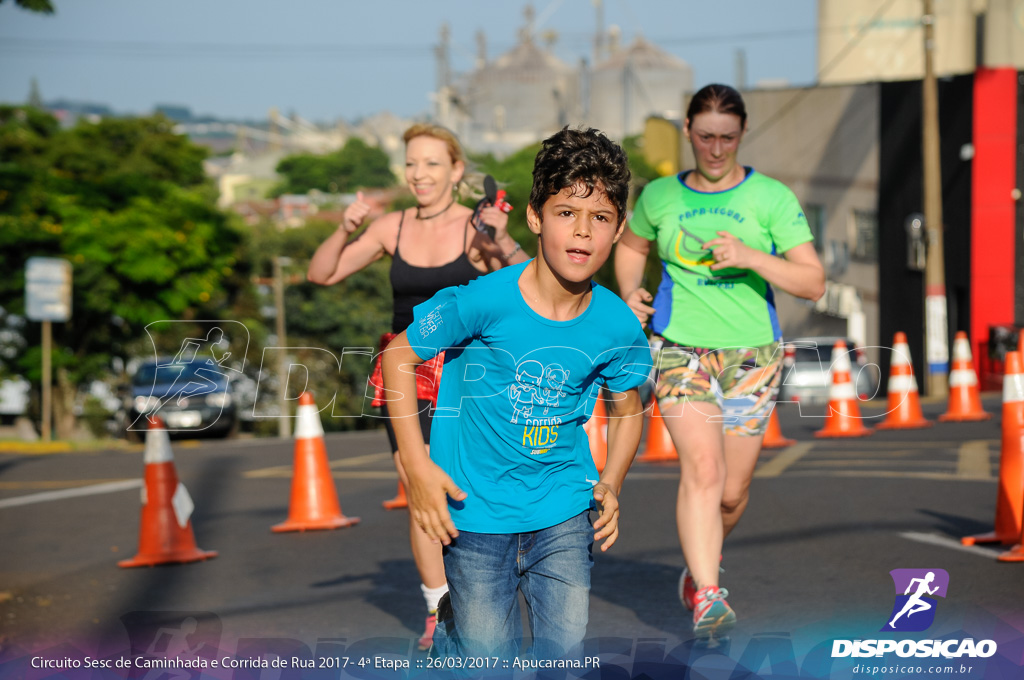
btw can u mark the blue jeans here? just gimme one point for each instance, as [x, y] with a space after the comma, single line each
[552, 569]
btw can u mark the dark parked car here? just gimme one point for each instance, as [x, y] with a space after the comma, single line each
[191, 396]
[805, 370]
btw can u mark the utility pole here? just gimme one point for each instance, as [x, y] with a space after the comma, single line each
[47, 424]
[935, 319]
[283, 420]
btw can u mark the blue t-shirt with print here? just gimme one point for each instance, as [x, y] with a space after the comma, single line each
[516, 391]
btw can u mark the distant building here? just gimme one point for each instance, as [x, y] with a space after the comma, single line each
[177, 113]
[881, 40]
[524, 94]
[633, 84]
[528, 93]
[250, 172]
[69, 111]
[294, 209]
[243, 178]
[384, 130]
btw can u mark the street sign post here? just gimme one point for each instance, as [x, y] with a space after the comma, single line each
[47, 299]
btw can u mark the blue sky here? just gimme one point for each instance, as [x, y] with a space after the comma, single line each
[330, 59]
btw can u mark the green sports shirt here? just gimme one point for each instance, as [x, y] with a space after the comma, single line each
[694, 305]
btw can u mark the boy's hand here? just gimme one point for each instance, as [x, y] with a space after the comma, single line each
[608, 523]
[637, 301]
[429, 488]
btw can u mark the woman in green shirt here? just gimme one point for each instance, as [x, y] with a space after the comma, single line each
[718, 230]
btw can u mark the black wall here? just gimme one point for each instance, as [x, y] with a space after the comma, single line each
[900, 193]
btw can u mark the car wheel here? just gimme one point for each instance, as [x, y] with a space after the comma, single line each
[231, 432]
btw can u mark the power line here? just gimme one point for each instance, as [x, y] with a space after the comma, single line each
[79, 47]
[198, 49]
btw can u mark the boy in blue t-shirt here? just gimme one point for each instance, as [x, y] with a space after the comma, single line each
[510, 480]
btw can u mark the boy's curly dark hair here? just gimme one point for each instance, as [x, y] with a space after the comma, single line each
[580, 156]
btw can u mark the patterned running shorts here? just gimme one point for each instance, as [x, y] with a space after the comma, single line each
[742, 382]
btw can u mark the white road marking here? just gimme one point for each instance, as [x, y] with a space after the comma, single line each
[286, 470]
[947, 542]
[785, 458]
[91, 490]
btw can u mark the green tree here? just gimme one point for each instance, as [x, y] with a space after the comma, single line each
[127, 203]
[638, 165]
[642, 174]
[41, 6]
[350, 314]
[353, 166]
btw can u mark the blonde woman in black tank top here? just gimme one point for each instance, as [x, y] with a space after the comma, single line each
[432, 246]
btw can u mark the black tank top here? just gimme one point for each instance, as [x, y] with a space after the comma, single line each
[412, 285]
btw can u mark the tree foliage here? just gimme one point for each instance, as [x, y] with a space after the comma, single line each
[353, 166]
[325, 321]
[41, 6]
[638, 165]
[127, 203]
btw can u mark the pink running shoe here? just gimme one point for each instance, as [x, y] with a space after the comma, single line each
[712, 615]
[427, 638]
[687, 589]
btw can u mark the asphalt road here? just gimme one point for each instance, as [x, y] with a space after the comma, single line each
[809, 563]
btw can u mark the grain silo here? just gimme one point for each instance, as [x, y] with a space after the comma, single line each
[633, 83]
[521, 96]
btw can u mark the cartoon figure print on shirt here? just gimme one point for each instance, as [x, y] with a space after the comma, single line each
[537, 388]
[690, 251]
[554, 379]
[526, 393]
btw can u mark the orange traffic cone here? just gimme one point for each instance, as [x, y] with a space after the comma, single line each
[964, 397]
[1010, 494]
[1014, 554]
[597, 432]
[314, 502]
[399, 501]
[904, 403]
[843, 417]
[165, 534]
[773, 438]
[659, 446]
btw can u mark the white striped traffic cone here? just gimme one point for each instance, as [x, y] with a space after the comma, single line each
[1009, 521]
[904, 402]
[964, 395]
[165, 532]
[843, 416]
[314, 503]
